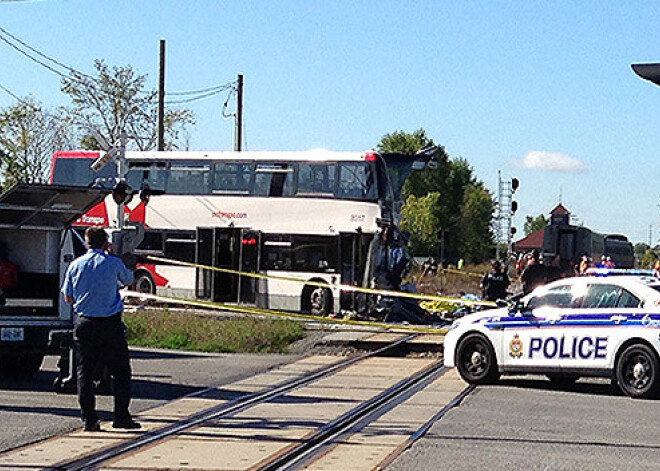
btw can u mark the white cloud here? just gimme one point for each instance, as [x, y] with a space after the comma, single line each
[551, 162]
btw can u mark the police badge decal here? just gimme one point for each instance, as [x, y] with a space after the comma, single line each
[516, 347]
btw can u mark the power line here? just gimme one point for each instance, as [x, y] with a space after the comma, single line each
[218, 88]
[10, 93]
[78, 76]
[45, 56]
[199, 97]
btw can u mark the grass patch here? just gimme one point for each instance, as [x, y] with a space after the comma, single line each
[188, 331]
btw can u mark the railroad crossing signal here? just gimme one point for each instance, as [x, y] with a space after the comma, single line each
[506, 208]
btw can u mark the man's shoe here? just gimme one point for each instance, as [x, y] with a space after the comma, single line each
[127, 423]
[92, 426]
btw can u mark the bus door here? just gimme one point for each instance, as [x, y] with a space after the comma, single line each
[249, 263]
[232, 249]
[353, 253]
[219, 248]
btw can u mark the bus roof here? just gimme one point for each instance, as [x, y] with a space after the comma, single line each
[314, 155]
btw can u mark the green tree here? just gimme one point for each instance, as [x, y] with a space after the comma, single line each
[418, 218]
[640, 249]
[115, 101]
[449, 178]
[475, 236]
[29, 134]
[534, 224]
[649, 259]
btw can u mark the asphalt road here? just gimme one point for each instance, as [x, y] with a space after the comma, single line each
[30, 410]
[530, 424]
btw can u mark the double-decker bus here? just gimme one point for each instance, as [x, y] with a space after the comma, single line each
[307, 216]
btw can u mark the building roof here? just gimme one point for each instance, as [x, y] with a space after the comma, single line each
[532, 241]
[560, 209]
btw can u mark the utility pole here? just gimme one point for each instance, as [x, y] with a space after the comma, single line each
[161, 97]
[238, 143]
[121, 177]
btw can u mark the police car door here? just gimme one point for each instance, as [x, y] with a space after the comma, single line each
[532, 338]
[590, 332]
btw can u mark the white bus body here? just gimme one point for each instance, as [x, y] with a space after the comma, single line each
[305, 211]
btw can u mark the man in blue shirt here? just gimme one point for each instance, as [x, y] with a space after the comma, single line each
[92, 284]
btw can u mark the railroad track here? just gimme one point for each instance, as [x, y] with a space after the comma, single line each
[293, 427]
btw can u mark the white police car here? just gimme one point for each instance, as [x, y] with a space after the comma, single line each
[584, 326]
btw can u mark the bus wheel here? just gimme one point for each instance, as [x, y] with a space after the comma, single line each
[317, 301]
[637, 371]
[144, 283]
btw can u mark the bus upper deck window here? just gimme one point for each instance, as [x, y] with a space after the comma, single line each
[231, 178]
[273, 180]
[189, 178]
[356, 180]
[316, 179]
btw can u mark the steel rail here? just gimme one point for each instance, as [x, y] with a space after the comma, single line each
[93, 460]
[377, 405]
[425, 428]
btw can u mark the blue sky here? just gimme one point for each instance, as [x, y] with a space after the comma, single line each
[542, 91]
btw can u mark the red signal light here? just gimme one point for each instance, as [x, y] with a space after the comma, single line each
[251, 241]
[371, 157]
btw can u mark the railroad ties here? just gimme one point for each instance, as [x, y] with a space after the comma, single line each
[321, 412]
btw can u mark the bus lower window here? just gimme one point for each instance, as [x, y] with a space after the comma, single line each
[300, 253]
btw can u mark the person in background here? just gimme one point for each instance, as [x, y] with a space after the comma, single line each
[495, 283]
[520, 263]
[554, 270]
[583, 265]
[8, 275]
[534, 273]
[656, 269]
[92, 284]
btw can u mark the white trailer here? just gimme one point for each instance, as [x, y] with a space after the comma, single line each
[35, 234]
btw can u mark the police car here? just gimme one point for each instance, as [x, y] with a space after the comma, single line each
[583, 326]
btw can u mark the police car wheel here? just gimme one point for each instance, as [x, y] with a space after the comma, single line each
[637, 371]
[475, 360]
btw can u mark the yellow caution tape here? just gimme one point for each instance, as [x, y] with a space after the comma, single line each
[346, 288]
[273, 313]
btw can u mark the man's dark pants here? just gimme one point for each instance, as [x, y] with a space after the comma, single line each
[102, 342]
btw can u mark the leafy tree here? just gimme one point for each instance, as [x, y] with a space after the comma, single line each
[449, 179]
[649, 259]
[29, 135]
[476, 237]
[534, 224]
[640, 249]
[115, 101]
[418, 218]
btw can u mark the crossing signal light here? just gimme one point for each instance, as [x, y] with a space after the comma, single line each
[514, 207]
[515, 183]
[513, 231]
[122, 193]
